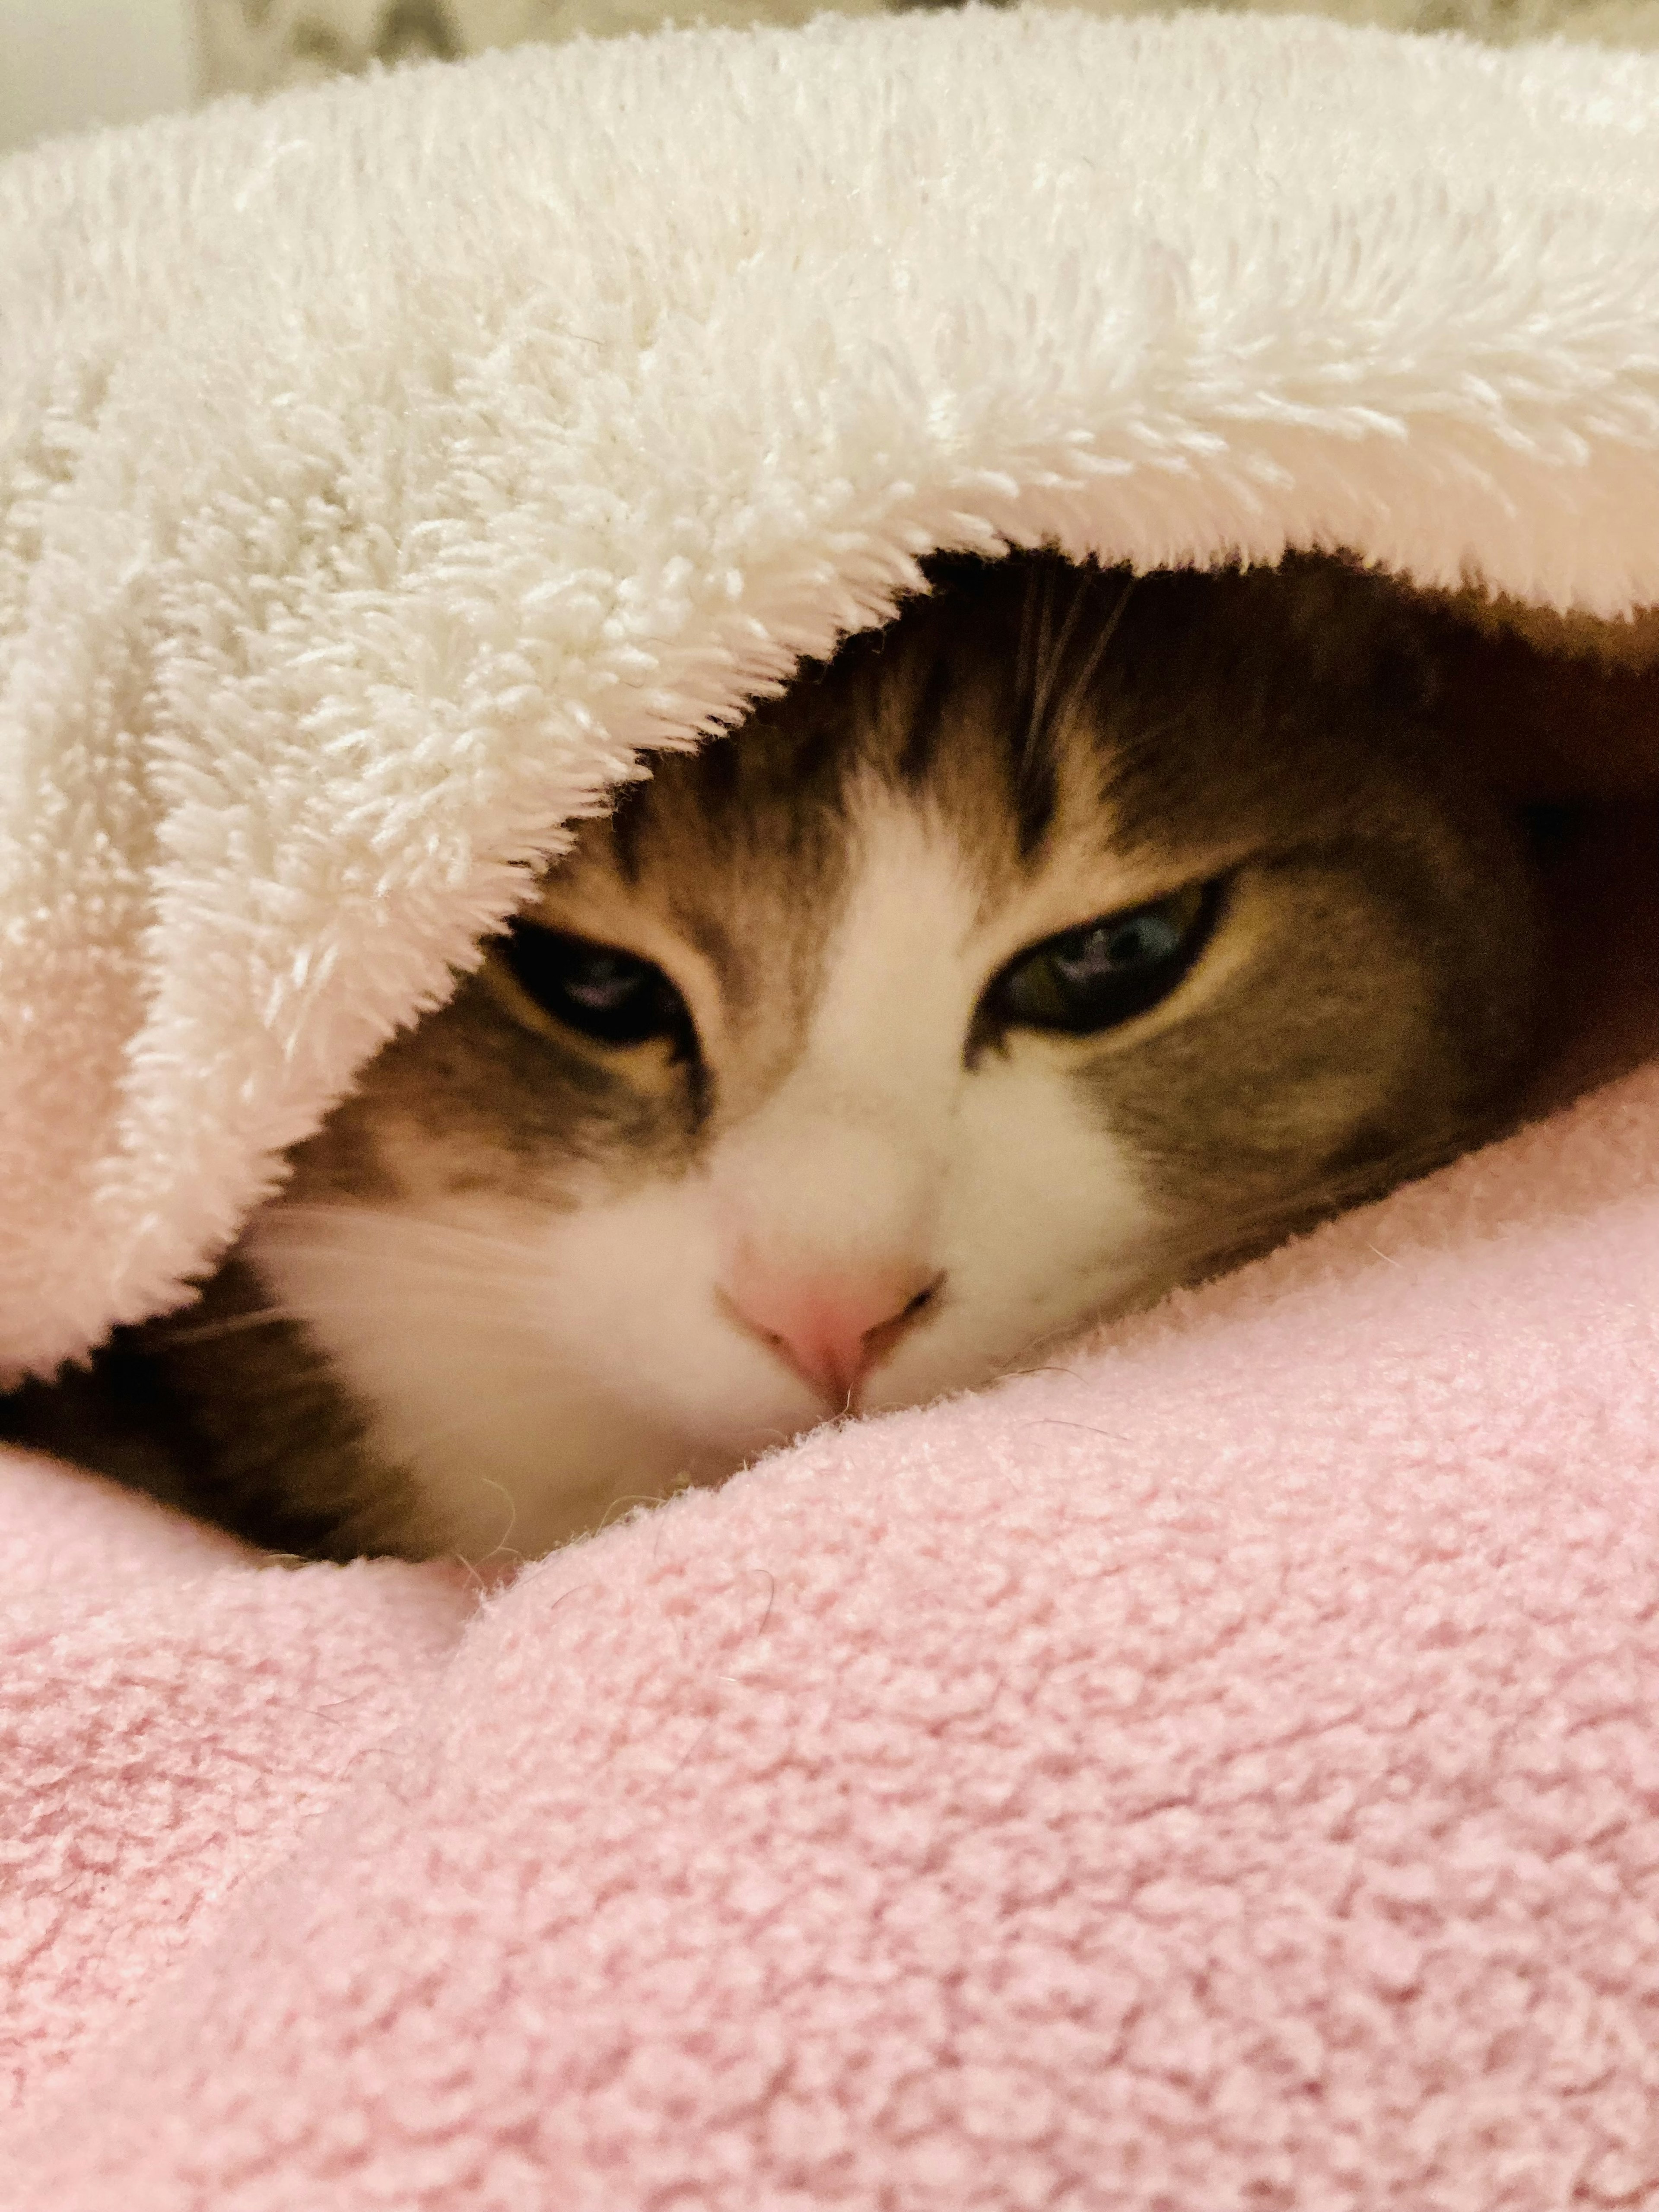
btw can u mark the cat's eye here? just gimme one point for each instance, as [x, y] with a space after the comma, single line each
[603, 993]
[1106, 972]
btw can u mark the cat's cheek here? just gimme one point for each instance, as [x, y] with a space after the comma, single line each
[533, 1375]
[1047, 1219]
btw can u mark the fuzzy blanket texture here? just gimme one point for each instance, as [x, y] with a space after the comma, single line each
[1218, 1773]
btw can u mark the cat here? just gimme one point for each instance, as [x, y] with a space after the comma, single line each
[1076, 936]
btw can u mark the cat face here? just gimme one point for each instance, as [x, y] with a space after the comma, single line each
[1065, 941]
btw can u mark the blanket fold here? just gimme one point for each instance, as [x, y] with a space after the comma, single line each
[1217, 1772]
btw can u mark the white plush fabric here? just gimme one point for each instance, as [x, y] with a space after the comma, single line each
[385, 467]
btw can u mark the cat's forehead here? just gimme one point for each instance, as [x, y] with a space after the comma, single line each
[955, 715]
[1052, 736]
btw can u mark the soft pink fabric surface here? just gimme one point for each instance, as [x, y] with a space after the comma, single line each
[1222, 1773]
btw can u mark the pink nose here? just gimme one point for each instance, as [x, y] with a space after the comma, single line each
[833, 1330]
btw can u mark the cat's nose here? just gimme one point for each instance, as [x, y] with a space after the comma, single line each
[833, 1329]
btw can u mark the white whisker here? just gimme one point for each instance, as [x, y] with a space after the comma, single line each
[501, 1549]
[209, 1332]
[342, 1225]
[1078, 691]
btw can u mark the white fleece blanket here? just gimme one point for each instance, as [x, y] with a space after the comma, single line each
[385, 467]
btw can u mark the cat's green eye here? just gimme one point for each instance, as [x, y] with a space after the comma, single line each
[612, 996]
[1091, 979]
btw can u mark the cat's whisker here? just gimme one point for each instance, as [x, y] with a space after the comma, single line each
[287, 1221]
[621, 1507]
[317, 1249]
[414, 1281]
[1061, 719]
[1053, 651]
[500, 1548]
[179, 1332]
[353, 1301]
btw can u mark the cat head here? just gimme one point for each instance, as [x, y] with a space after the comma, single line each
[1069, 938]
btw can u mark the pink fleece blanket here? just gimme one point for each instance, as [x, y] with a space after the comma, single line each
[1221, 1774]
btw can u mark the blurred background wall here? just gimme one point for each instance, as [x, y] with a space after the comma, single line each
[65, 65]
[251, 46]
